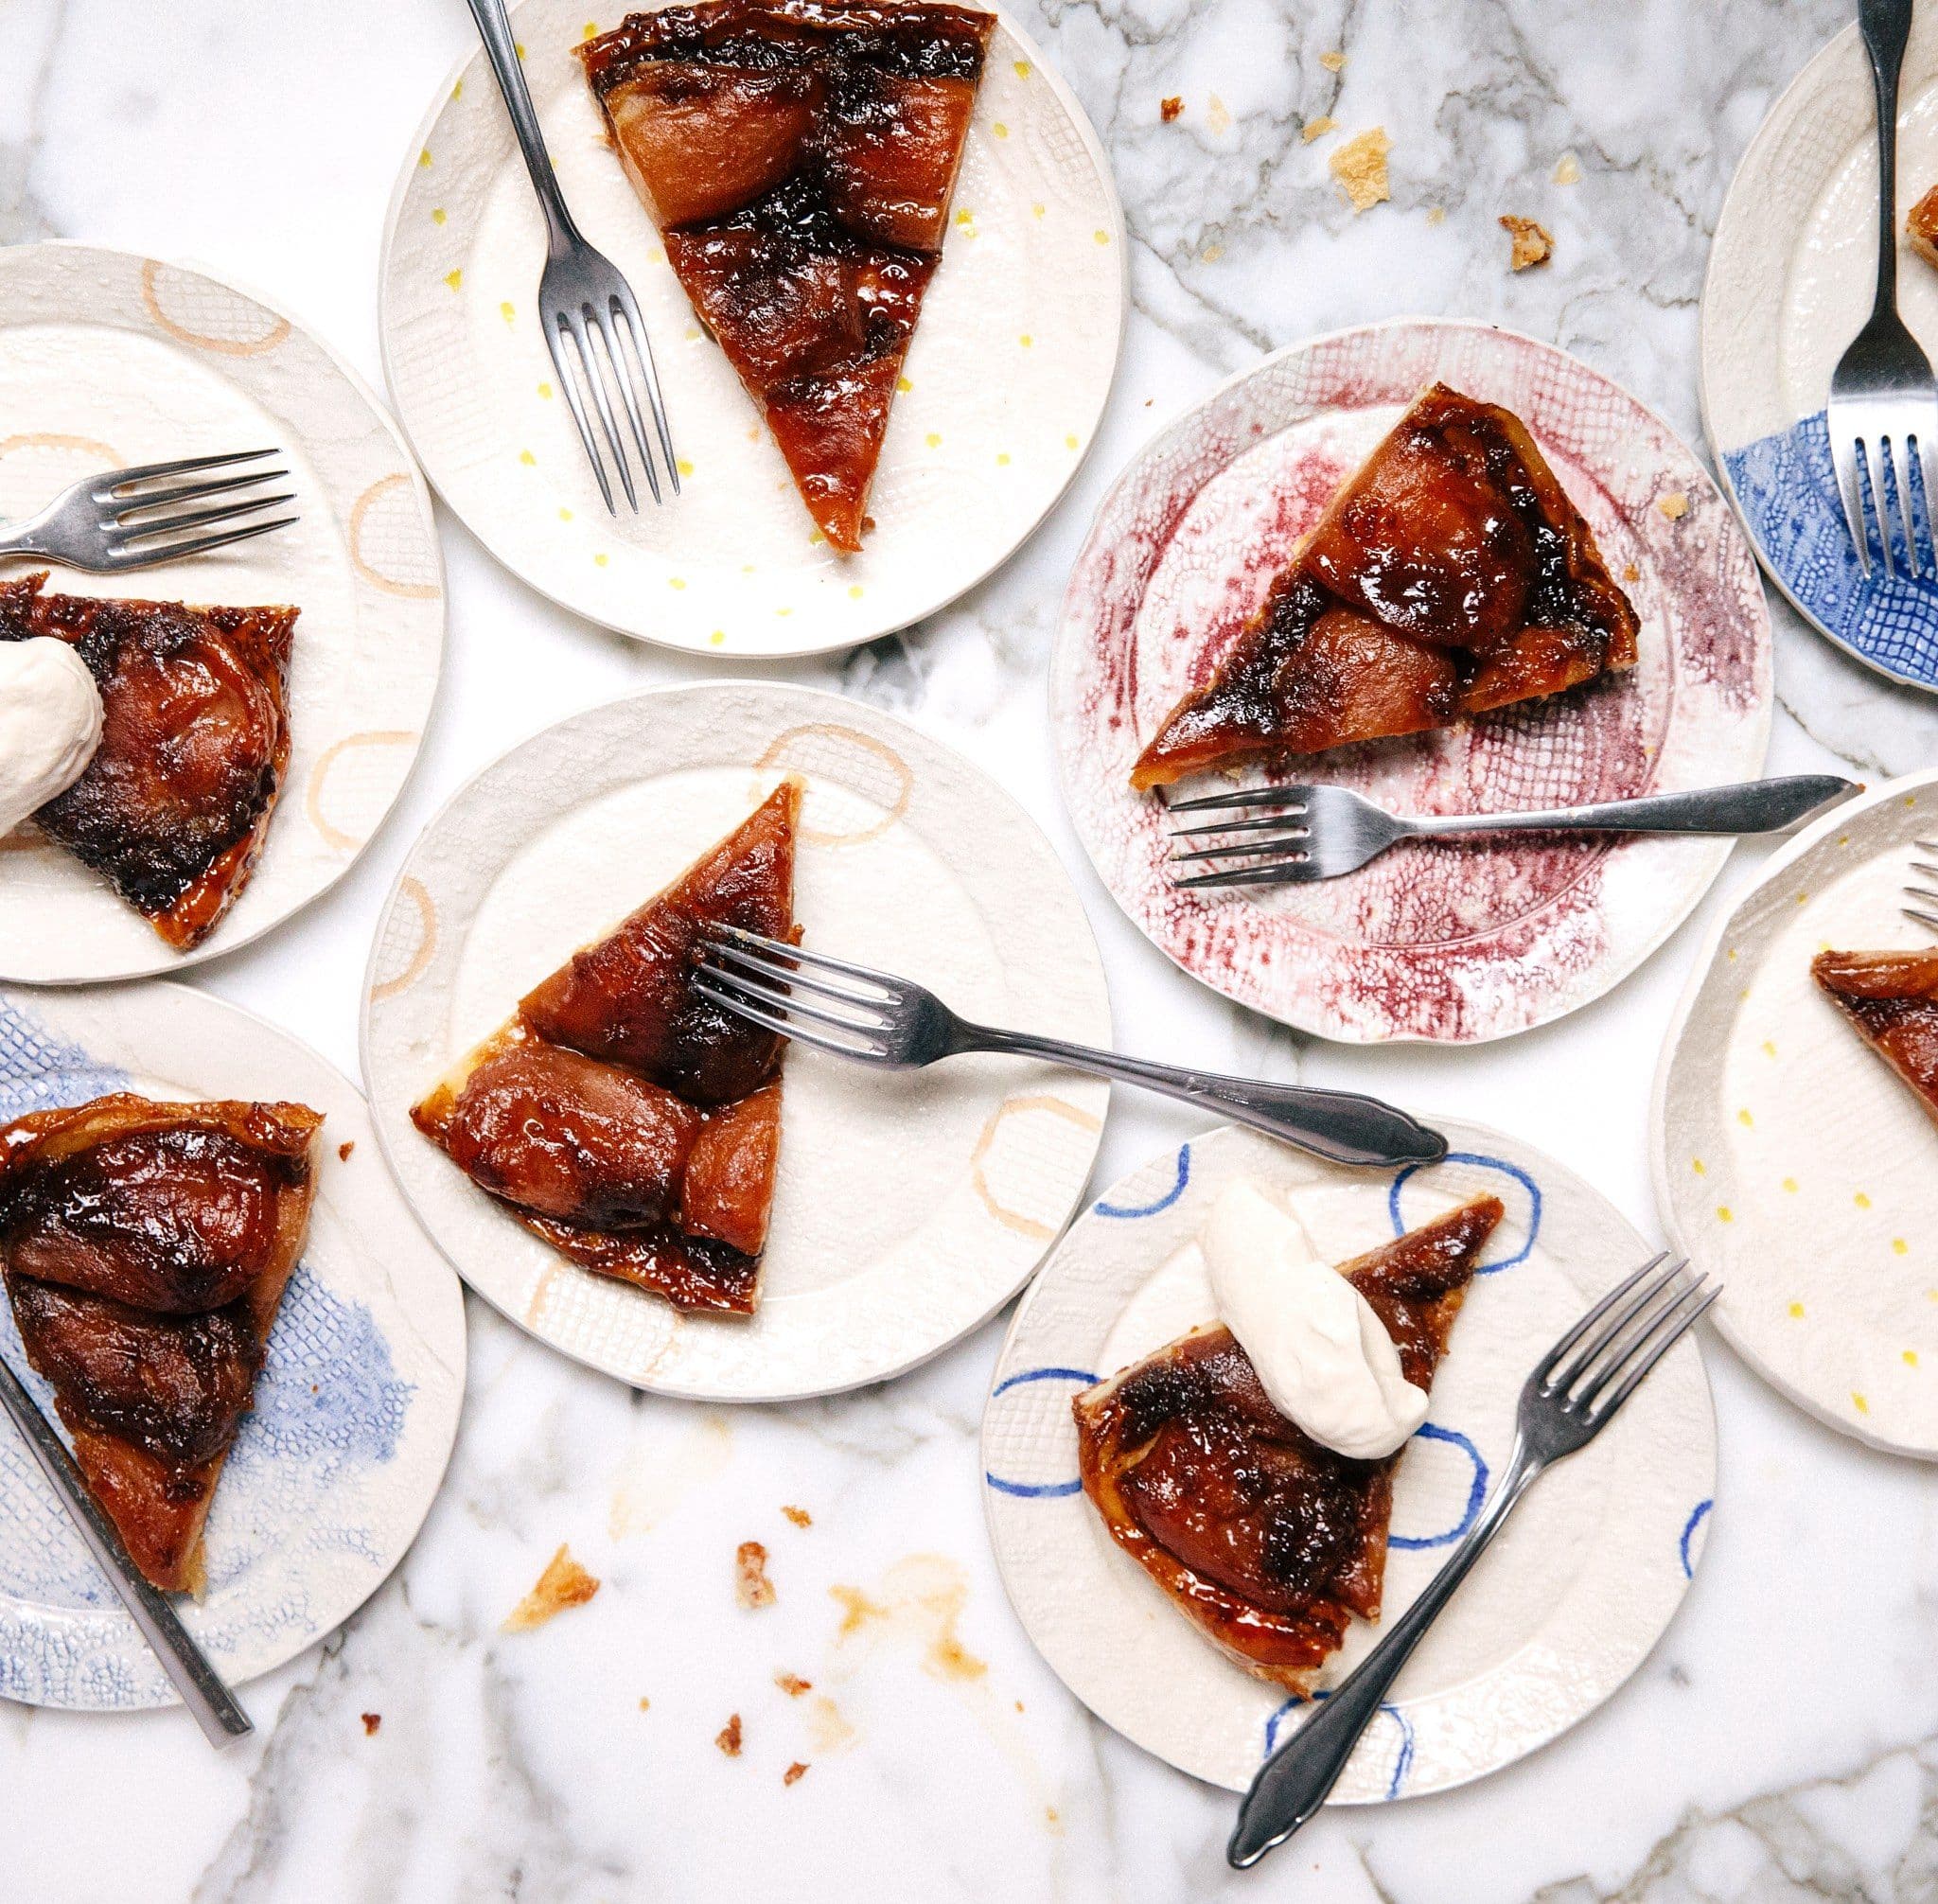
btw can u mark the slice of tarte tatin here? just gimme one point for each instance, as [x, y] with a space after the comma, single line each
[1268, 1541]
[1890, 1001]
[1450, 576]
[800, 158]
[623, 1118]
[146, 1248]
[195, 737]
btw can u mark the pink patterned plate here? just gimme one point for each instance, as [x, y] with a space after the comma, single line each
[1450, 943]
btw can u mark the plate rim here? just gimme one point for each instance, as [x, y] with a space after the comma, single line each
[216, 945]
[990, 1496]
[762, 686]
[729, 650]
[117, 996]
[1700, 966]
[1722, 849]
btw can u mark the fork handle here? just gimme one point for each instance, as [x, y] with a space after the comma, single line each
[500, 50]
[1755, 806]
[1886, 26]
[1342, 1126]
[212, 1704]
[1292, 1783]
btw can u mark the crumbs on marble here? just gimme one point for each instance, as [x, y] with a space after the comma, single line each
[751, 1587]
[1567, 170]
[1171, 109]
[1359, 165]
[728, 1737]
[1675, 505]
[793, 1685]
[1318, 128]
[564, 1583]
[794, 1774]
[799, 1516]
[1334, 63]
[372, 1722]
[1532, 243]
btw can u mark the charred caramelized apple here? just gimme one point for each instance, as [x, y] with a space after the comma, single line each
[1451, 576]
[800, 158]
[172, 810]
[624, 1118]
[146, 1248]
[1890, 999]
[1269, 1542]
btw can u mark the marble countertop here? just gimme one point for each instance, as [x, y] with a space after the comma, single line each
[1782, 1743]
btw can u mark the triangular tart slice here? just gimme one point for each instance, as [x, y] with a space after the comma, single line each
[145, 1249]
[623, 1118]
[1450, 576]
[1267, 1541]
[1890, 999]
[800, 158]
[174, 806]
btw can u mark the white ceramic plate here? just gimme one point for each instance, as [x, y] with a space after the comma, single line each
[356, 1408]
[1562, 1608]
[910, 1206]
[1002, 391]
[1789, 285]
[1453, 944]
[1786, 1156]
[107, 360]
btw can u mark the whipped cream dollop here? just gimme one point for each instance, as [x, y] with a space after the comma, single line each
[1324, 1357]
[50, 724]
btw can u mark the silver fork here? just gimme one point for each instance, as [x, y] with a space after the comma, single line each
[1308, 832]
[877, 1019]
[1883, 398]
[581, 296]
[1573, 1393]
[109, 523]
[1924, 895]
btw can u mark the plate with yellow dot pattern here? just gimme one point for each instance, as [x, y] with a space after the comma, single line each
[1788, 1158]
[1001, 393]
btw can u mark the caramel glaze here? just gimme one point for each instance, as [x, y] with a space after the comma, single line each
[1270, 1541]
[626, 1121]
[1450, 576]
[172, 809]
[800, 159]
[146, 1248]
[1891, 998]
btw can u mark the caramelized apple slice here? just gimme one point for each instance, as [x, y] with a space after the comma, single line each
[1890, 1001]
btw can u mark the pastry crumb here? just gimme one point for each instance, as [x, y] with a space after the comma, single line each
[345, 1149]
[1317, 129]
[751, 1587]
[1567, 170]
[799, 1516]
[1437, 215]
[793, 1773]
[564, 1583]
[1532, 244]
[1631, 573]
[1334, 63]
[1218, 116]
[1170, 109]
[793, 1685]
[1921, 226]
[372, 1722]
[646, 1705]
[1675, 505]
[728, 1737]
[1359, 165]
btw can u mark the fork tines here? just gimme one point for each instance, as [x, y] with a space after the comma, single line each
[1594, 1368]
[1927, 897]
[1274, 830]
[1879, 466]
[762, 979]
[128, 503]
[606, 311]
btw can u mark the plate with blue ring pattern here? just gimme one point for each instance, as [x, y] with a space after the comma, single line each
[1789, 285]
[1568, 1602]
[356, 1409]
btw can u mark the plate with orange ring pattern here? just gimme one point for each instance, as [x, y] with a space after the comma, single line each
[108, 359]
[911, 1206]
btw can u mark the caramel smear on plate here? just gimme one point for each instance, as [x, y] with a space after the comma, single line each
[1359, 165]
[751, 1587]
[922, 1599]
[564, 1583]
[1533, 244]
